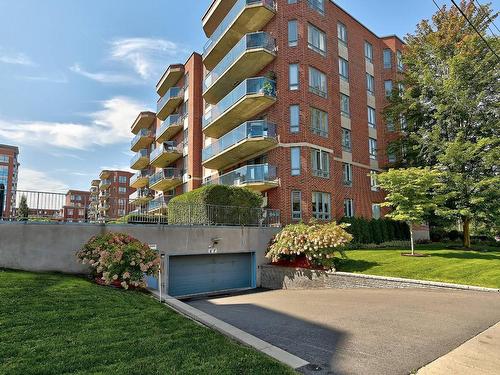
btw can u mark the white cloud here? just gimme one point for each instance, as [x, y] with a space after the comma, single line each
[34, 180]
[16, 59]
[110, 125]
[146, 55]
[61, 78]
[103, 77]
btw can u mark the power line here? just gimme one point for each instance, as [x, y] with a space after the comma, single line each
[475, 29]
[488, 16]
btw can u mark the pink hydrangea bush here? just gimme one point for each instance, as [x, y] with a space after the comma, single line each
[317, 243]
[119, 259]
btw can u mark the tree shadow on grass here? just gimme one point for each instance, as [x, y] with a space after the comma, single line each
[467, 255]
[355, 265]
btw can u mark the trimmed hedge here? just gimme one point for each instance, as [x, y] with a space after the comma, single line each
[216, 204]
[376, 231]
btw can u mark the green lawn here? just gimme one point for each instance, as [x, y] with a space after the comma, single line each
[445, 265]
[54, 324]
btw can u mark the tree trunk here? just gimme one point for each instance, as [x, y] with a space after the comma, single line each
[411, 239]
[466, 238]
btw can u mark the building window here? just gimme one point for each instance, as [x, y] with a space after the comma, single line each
[390, 124]
[347, 174]
[387, 59]
[296, 205]
[122, 190]
[317, 82]
[388, 88]
[317, 5]
[81, 212]
[376, 212]
[292, 1]
[4, 158]
[399, 58]
[391, 157]
[294, 118]
[346, 140]
[401, 89]
[121, 212]
[319, 122]
[372, 146]
[321, 206]
[320, 163]
[70, 212]
[122, 179]
[348, 207]
[344, 69]
[373, 181]
[370, 84]
[342, 33]
[316, 39]
[345, 108]
[372, 117]
[369, 52]
[295, 160]
[402, 122]
[293, 35]
[294, 76]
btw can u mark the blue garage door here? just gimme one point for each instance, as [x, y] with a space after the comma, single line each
[198, 274]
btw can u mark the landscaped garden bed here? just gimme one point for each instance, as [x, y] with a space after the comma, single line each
[55, 324]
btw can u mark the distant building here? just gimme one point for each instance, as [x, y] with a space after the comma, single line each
[9, 167]
[76, 206]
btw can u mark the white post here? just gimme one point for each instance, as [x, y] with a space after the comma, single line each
[159, 281]
[411, 239]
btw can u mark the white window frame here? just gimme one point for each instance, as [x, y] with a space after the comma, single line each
[372, 148]
[342, 33]
[294, 111]
[318, 82]
[346, 135]
[296, 215]
[316, 39]
[319, 121]
[348, 207]
[343, 100]
[295, 162]
[320, 163]
[293, 77]
[369, 51]
[372, 117]
[321, 205]
[293, 33]
[347, 174]
[370, 84]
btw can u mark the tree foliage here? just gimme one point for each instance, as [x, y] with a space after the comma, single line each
[450, 103]
[23, 211]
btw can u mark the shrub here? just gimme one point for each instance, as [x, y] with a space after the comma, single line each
[141, 219]
[216, 204]
[317, 242]
[118, 257]
[376, 231]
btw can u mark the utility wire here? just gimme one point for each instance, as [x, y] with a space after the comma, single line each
[488, 16]
[475, 29]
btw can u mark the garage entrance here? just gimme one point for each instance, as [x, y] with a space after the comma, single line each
[202, 274]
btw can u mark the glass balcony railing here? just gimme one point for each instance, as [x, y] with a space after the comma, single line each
[105, 183]
[223, 27]
[142, 133]
[247, 130]
[248, 42]
[170, 121]
[250, 86]
[165, 147]
[173, 92]
[139, 175]
[140, 154]
[165, 174]
[248, 174]
[159, 203]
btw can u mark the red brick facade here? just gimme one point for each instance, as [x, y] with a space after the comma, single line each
[8, 176]
[76, 206]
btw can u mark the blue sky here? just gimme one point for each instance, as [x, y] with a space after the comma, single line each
[75, 73]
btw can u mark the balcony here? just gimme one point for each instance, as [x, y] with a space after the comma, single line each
[94, 189]
[246, 16]
[143, 196]
[104, 207]
[170, 127]
[248, 99]
[140, 160]
[159, 205]
[143, 139]
[140, 179]
[215, 14]
[169, 102]
[105, 184]
[247, 140]
[104, 174]
[166, 179]
[260, 177]
[143, 121]
[166, 154]
[95, 183]
[252, 54]
[169, 78]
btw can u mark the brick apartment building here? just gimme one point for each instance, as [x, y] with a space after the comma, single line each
[76, 206]
[109, 196]
[9, 167]
[292, 100]
[168, 143]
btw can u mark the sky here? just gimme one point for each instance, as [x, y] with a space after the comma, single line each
[74, 74]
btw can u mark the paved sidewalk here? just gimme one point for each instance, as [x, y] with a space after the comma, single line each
[479, 355]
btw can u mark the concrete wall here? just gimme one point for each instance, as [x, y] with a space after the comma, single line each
[51, 247]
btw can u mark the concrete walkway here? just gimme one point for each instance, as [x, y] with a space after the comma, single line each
[480, 355]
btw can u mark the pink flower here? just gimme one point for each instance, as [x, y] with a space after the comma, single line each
[115, 277]
[126, 275]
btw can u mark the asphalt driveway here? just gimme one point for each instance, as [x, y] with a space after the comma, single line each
[360, 331]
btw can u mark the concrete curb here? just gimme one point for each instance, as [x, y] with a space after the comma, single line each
[419, 282]
[233, 332]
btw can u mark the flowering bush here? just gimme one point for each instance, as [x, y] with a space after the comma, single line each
[118, 258]
[318, 243]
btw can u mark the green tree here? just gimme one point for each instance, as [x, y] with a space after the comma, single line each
[451, 91]
[411, 194]
[23, 211]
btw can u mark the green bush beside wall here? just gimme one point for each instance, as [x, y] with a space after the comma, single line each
[376, 231]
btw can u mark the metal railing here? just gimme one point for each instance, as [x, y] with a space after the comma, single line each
[248, 174]
[164, 148]
[34, 206]
[173, 92]
[140, 154]
[142, 134]
[172, 120]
